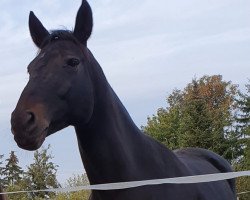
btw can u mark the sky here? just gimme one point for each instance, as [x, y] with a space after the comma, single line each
[146, 48]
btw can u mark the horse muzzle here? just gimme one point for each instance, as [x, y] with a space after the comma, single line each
[29, 128]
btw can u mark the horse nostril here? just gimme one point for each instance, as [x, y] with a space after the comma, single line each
[30, 117]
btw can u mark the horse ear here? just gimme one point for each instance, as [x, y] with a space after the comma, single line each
[84, 23]
[37, 30]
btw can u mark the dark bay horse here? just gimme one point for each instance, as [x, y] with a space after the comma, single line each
[2, 196]
[67, 87]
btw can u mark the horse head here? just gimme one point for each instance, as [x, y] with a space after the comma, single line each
[59, 79]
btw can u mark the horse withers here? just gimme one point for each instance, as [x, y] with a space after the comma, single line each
[67, 87]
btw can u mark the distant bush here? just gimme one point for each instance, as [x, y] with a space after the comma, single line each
[76, 180]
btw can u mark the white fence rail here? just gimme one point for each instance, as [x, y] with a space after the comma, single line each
[132, 184]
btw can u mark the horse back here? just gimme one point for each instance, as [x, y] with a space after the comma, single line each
[201, 161]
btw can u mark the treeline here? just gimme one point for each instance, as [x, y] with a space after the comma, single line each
[209, 113]
[39, 175]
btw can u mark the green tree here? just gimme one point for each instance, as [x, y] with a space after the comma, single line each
[243, 119]
[42, 173]
[165, 125]
[2, 181]
[242, 183]
[20, 186]
[13, 172]
[243, 127]
[200, 115]
[16, 185]
[1, 169]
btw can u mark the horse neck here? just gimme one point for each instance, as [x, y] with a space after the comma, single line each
[108, 138]
[111, 146]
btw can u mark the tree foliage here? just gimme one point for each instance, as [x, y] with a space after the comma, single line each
[243, 126]
[76, 180]
[42, 173]
[1, 168]
[12, 171]
[2, 183]
[200, 115]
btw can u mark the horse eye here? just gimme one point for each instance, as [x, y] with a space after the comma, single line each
[73, 62]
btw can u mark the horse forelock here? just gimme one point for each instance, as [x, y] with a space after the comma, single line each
[64, 35]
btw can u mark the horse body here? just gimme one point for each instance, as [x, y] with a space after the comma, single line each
[2, 196]
[68, 87]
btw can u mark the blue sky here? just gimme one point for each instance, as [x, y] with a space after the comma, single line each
[147, 48]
